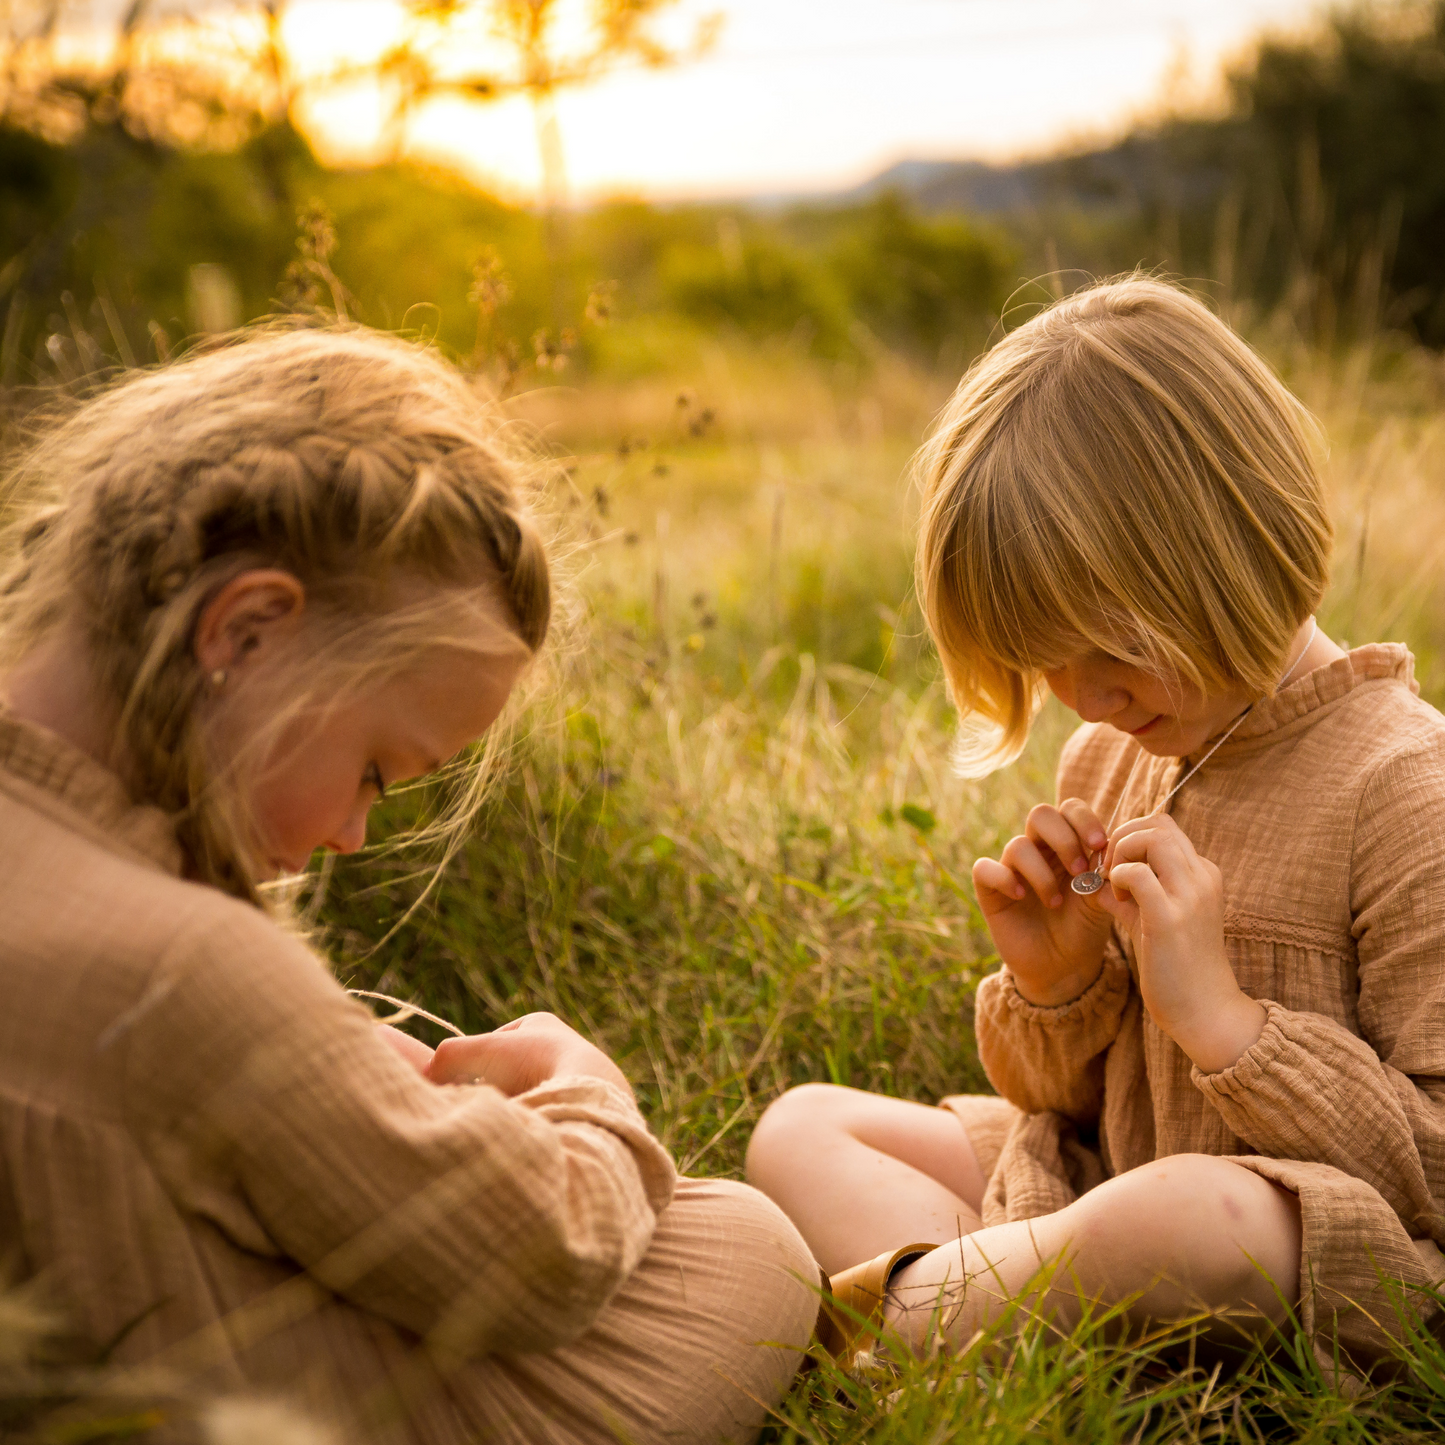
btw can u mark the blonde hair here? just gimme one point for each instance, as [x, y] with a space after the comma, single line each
[359, 463]
[1122, 472]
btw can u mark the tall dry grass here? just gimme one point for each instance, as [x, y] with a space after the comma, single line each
[732, 849]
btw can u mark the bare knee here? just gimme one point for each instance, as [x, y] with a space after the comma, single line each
[797, 1120]
[1215, 1231]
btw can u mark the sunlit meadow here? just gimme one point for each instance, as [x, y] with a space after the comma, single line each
[726, 840]
[730, 845]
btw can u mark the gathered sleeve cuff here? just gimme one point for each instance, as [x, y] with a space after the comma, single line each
[570, 1103]
[1309, 1089]
[268, 1105]
[1042, 1058]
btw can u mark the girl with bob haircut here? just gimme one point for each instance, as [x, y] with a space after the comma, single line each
[243, 596]
[1221, 1072]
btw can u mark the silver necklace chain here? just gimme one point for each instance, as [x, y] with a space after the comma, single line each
[1093, 880]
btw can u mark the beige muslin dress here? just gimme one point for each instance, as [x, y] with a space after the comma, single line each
[212, 1164]
[1326, 815]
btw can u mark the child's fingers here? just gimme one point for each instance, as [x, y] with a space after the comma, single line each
[1139, 882]
[495, 1058]
[1130, 825]
[1085, 823]
[459, 1061]
[1048, 826]
[1121, 907]
[416, 1053]
[1150, 820]
[512, 1061]
[998, 881]
[1162, 850]
[1026, 859]
[1156, 823]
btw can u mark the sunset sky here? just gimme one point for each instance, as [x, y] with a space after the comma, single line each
[802, 95]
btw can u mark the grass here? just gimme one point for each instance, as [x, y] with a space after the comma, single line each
[732, 849]
[729, 845]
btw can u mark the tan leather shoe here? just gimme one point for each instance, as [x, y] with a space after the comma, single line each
[850, 1320]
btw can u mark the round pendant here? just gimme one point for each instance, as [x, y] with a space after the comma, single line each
[1087, 883]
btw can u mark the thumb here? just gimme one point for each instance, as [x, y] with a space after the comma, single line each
[479, 1059]
[1120, 906]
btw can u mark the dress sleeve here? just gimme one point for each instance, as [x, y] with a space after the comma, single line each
[1372, 1106]
[1051, 1058]
[268, 1105]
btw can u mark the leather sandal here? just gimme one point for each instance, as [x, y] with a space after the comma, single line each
[850, 1319]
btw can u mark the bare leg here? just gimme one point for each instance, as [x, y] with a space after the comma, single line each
[1186, 1234]
[861, 1173]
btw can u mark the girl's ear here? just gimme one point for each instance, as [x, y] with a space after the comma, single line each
[247, 619]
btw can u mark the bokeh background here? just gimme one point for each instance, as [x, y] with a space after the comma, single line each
[717, 265]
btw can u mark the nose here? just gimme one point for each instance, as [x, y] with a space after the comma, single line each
[1095, 698]
[351, 836]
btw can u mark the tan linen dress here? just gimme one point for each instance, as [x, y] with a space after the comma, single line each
[208, 1155]
[1326, 815]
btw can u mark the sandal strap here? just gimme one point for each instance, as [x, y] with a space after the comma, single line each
[851, 1316]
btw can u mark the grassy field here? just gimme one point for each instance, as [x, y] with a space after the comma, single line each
[728, 843]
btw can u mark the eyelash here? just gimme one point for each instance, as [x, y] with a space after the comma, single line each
[373, 776]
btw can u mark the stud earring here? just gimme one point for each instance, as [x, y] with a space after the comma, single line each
[218, 678]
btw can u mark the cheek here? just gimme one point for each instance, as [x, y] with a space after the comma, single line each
[300, 799]
[1058, 684]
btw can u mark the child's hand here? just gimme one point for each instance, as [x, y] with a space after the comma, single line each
[520, 1055]
[1170, 902]
[412, 1050]
[1051, 938]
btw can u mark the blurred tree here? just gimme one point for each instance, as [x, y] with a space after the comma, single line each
[1339, 140]
[158, 75]
[760, 285]
[217, 74]
[450, 47]
[923, 284]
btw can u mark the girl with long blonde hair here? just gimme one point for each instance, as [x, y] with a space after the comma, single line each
[242, 597]
[1218, 1030]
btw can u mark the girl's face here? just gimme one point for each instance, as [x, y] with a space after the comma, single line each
[1169, 718]
[318, 780]
[310, 782]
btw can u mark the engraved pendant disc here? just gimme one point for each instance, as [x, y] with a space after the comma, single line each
[1087, 883]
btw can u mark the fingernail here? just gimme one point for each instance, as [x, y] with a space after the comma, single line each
[1019, 891]
[1097, 840]
[1056, 901]
[1077, 866]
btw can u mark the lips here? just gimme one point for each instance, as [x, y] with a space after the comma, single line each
[1139, 732]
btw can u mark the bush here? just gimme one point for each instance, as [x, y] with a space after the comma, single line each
[1349, 126]
[929, 286]
[764, 288]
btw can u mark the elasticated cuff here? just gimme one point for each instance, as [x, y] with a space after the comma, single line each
[1243, 1076]
[1105, 996]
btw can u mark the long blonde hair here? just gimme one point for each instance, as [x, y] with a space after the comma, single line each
[361, 464]
[1122, 472]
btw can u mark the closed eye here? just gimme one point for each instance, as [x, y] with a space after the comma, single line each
[372, 775]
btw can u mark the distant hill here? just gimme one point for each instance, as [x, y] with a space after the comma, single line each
[971, 186]
[1138, 172]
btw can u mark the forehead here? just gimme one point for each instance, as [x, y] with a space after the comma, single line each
[421, 714]
[449, 695]
[1066, 646]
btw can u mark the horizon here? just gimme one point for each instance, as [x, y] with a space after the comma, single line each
[771, 112]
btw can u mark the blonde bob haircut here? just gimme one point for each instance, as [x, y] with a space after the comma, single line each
[1121, 473]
